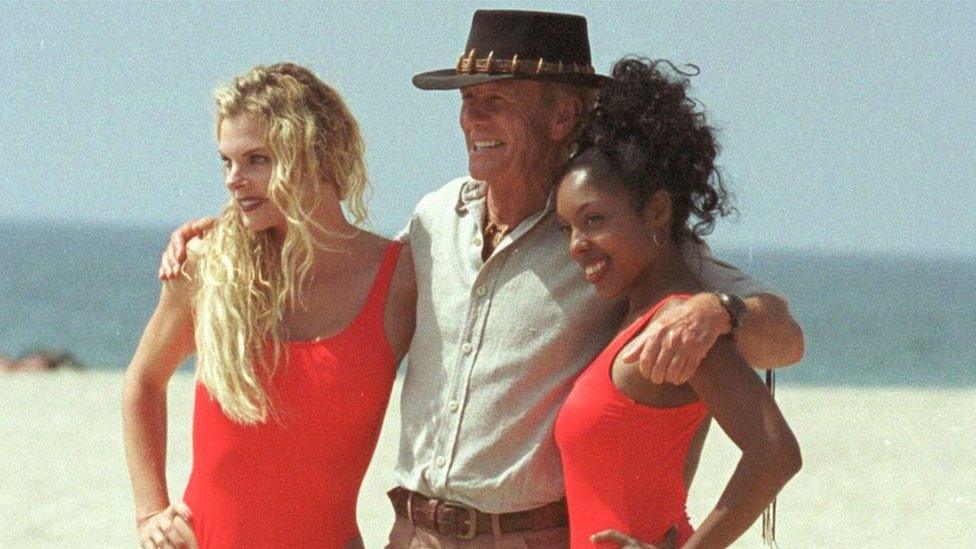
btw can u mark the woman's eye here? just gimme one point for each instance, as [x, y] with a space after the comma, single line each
[259, 159]
[593, 219]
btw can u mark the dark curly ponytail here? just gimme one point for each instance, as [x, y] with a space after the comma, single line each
[646, 133]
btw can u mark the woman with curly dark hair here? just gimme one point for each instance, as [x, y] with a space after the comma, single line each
[642, 182]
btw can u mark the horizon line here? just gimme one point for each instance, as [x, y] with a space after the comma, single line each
[371, 224]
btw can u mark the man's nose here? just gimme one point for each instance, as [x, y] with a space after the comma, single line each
[471, 114]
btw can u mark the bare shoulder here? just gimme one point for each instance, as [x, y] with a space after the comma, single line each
[403, 283]
[369, 252]
[404, 278]
[724, 374]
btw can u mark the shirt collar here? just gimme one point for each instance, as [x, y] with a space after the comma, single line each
[473, 190]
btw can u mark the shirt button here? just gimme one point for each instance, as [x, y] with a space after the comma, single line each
[440, 461]
[476, 241]
[466, 348]
[452, 406]
[481, 291]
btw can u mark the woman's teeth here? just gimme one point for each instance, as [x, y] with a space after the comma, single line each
[594, 269]
[250, 203]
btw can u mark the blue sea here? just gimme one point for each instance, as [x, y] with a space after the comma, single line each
[870, 320]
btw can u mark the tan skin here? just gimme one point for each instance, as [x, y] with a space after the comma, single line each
[347, 270]
[615, 246]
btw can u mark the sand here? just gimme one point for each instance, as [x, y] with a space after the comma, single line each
[882, 467]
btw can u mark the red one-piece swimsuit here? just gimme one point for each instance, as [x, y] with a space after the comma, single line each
[624, 462]
[292, 481]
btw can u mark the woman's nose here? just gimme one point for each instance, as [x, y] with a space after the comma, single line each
[578, 243]
[233, 177]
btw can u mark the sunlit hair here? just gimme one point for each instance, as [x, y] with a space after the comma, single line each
[247, 279]
[647, 134]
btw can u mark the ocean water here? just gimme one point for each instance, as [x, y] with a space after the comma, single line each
[869, 320]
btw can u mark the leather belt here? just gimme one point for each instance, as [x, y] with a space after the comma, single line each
[465, 522]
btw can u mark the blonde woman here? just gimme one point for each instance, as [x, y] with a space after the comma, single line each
[298, 320]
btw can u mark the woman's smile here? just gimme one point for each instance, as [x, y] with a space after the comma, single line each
[249, 204]
[595, 270]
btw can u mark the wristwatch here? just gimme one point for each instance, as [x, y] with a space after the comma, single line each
[736, 308]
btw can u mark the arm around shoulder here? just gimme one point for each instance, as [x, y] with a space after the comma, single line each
[769, 336]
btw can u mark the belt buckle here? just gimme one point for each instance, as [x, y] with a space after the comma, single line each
[471, 525]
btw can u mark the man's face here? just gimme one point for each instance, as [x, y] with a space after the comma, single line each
[507, 128]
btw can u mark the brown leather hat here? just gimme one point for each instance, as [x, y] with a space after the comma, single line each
[506, 44]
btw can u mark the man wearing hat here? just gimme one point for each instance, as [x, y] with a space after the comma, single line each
[505, 320]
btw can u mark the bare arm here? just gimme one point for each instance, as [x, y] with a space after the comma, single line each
[674, 344]
[399, 316]
[769, 337]
[166, 341]
[743, 407]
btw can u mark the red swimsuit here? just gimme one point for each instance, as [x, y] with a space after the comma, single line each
[624, 462]
[293, 480]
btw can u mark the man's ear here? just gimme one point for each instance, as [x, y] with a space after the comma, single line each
[657, 211]
[566, 116]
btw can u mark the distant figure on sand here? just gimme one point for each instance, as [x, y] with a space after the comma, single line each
[298, 319]
[40, 361]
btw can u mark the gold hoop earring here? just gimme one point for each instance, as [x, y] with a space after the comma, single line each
[573, 149]
[656, 243]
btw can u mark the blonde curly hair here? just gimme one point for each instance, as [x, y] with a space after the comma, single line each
[247, 279]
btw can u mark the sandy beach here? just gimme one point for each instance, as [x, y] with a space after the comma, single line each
[882, 467]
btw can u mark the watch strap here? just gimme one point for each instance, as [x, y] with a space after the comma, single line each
[736, 308]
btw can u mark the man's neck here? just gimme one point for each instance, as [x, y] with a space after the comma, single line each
[512, 202]
[509, 207]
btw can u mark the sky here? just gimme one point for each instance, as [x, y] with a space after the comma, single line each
[845, 127]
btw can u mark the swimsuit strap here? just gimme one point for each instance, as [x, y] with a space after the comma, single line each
[381, 284]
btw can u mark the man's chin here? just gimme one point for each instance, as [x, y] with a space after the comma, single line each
[483, 171]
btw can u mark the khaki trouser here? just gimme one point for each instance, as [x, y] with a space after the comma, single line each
[408, 536]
